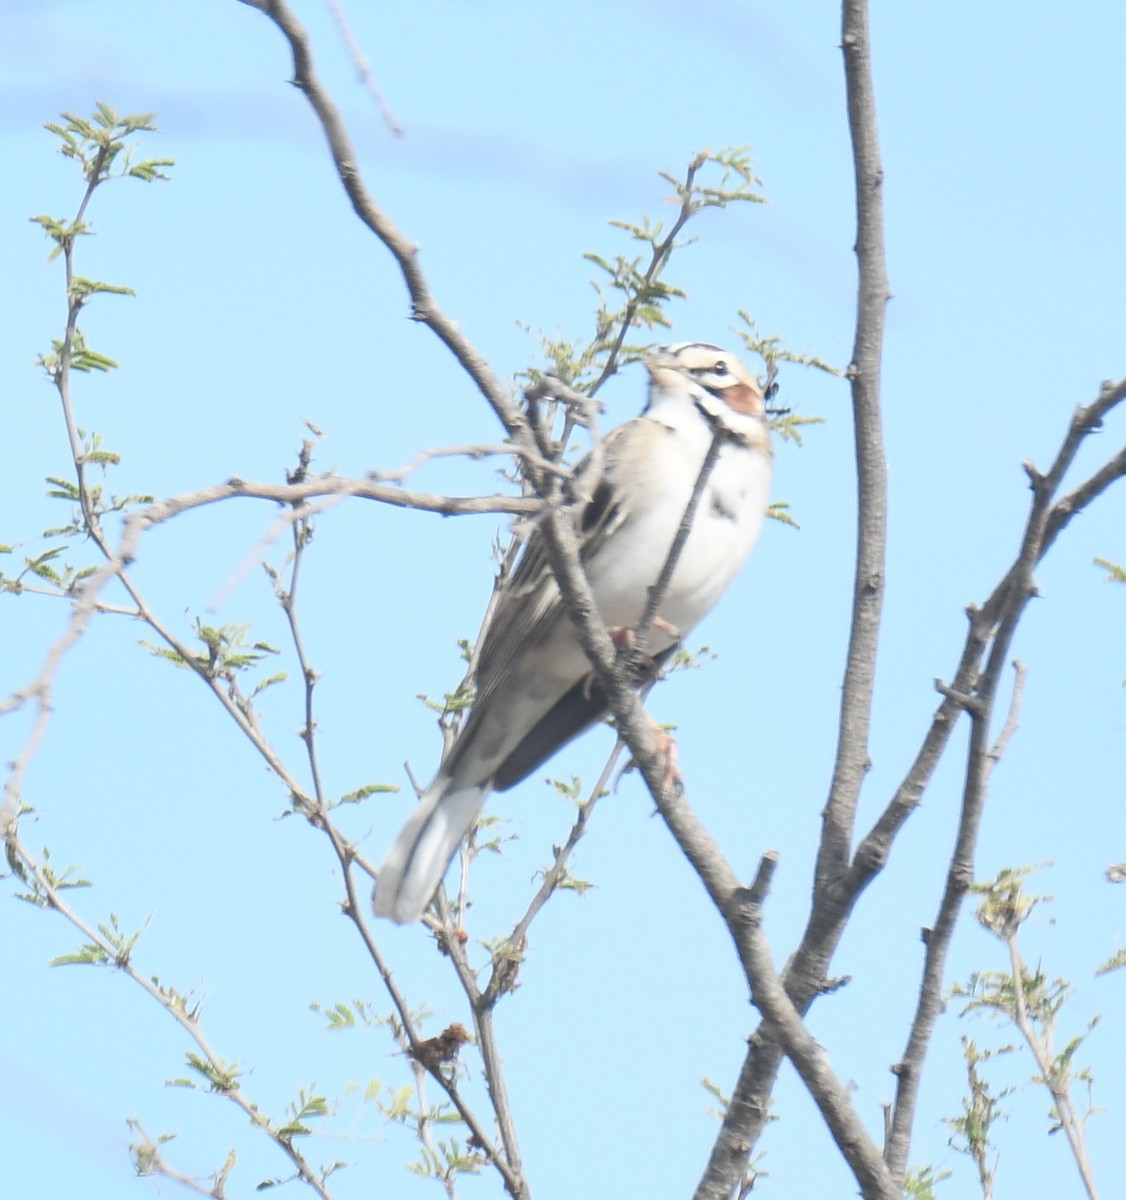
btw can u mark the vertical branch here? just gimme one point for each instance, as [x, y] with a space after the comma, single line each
[864, 375]
[746, 1117]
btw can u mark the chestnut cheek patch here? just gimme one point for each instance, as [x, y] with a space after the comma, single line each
[742, 398]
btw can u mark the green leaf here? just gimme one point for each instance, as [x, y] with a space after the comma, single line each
[83, 287]
[90, 954]
[779, 511]
[1115, 963]
[104, 115]
[64, 489]
[150, 171]
[269, 681]
[400, 1103]
[369, 789]
[1115, 573]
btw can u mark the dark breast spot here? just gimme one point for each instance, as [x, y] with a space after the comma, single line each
[720, 508]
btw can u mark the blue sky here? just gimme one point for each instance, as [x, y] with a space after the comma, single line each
[261, 302]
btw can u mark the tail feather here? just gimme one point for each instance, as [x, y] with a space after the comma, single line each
[419, 856]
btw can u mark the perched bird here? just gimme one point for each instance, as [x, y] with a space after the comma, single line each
[535, 687]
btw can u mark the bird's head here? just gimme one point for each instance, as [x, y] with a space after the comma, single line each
[713, 378]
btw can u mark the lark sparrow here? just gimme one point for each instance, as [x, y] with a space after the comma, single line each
[535, 689]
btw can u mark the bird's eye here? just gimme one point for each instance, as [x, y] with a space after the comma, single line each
[720, 368]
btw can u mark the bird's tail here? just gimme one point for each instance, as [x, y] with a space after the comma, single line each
[419, 856]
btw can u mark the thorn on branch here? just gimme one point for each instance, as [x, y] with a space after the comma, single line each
[1035, 478]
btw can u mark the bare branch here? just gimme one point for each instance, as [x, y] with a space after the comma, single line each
[423, 306]
[1020, 674]
[335, 485]
[719, 878]
[317, 811]
[363, 68]
[838, 892]
[851, 763]
[992, 629]
[173, 1003]
[657, 592]
[555, 874]
[473, 452]
[743, 1123]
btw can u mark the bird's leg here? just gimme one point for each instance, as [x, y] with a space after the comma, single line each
[638, 661]
[672, 777]
[667, 627]
[666, 747]
[644, 667]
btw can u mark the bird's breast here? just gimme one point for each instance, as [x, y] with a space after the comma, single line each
[725, 526]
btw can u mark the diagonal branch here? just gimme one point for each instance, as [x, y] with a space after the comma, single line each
[840, 881]
[720, 434]
[992, 629]
[423, 306]
[739, 907]
[363, 68]
[223, 1078]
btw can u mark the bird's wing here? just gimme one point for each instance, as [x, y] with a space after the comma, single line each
[531, 605]
[574, 713]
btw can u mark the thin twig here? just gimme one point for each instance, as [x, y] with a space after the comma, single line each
[363, 68]
[148, 1160]
[172, 1003]
[658, 258]
[990, 636]
[473, 452]
[558, 869]
[720, 434]
[317, 810]
[1068, 1118]
[1020, 674]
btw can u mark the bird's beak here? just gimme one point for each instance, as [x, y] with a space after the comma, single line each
[660, 359]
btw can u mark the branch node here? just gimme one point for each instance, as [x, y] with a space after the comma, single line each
[971, 704]
[1088, 418]
[1035, 478]
[829, 986]
[760, 886]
